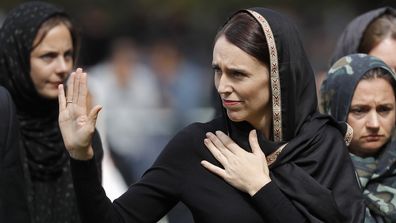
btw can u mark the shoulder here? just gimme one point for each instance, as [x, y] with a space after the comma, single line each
[5, 97]
[329, 144]
[191, 137]
[9, 129]
[321, 138]
[7, 107]
[196, 130]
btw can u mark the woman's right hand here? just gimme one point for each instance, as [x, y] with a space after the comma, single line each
[76, 125]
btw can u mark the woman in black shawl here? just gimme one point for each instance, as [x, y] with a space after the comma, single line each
[38, 46]
[373, 33]
[360, 89]
[305, 173]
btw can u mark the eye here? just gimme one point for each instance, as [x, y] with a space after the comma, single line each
[69, 55]
[216, 70]
[48, 57]
[384, 109]
[238, 74]
[358, 111]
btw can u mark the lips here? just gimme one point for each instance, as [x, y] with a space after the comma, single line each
[55, 83]
[228, 103]
[372, 138]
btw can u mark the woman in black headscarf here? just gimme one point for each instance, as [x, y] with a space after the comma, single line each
[373, 33]
[38, 46]
[360, 89]
[295, 169]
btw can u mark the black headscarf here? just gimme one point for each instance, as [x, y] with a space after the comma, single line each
[37, 115]
[314, 169]
[349, 41]
[51, 195]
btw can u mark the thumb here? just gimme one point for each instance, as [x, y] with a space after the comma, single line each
[253, 141]
[93, 114]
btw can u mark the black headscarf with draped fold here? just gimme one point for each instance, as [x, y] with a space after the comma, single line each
[51, 195]
[351, 37]
[37, 115]
[314, 169]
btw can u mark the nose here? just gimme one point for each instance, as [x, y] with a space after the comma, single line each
[373, 121]
[63, 66]
[224, 85]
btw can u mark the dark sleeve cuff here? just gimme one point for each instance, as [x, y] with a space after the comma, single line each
[274, 206]
[83, 169]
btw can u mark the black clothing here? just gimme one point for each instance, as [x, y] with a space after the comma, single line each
[50, 192]
[13, 199]
[178, 175]
[349, 41]
[312, 177]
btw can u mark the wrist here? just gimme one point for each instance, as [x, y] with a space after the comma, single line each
[257, 186]
[82, 154]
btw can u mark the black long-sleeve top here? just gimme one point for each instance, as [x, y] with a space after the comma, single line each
[177, 175]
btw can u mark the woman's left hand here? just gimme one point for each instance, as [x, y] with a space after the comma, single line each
[245, 171]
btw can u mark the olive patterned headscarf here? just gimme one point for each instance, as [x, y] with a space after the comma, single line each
[377, 175]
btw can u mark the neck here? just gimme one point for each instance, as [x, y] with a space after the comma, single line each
[264, 125]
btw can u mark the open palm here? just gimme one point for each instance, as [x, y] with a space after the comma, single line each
[76, 125]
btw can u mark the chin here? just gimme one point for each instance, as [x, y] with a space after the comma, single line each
[234, 117]
[372, 149]
[49, 95]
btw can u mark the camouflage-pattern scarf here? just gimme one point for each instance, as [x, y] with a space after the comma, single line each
[377, 175]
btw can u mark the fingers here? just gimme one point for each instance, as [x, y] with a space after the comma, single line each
[77, 88]
[83, 91]
[61, 98]
[214, 169]
[254, 144]
[93, 114]
[70, 88]
[216, 152]
[76, 85]
[227, 142]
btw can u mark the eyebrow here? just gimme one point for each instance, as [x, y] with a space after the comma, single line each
[365, 105]
[216, 66]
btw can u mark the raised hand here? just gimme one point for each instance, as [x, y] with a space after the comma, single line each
[76, 125]
[245, 171]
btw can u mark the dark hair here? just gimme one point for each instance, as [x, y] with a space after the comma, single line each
[51, 23]
[381, 74]
[379, 29]
[244, 31]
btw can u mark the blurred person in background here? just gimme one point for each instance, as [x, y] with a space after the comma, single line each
[180, 83]
[129, 93]
[360, 90]
[142, 109]
[373, 33]
[38, 47]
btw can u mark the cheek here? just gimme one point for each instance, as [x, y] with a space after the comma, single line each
[36, 72]
[216, 81]
[390, 123]
[356, 125]
[70, 65]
